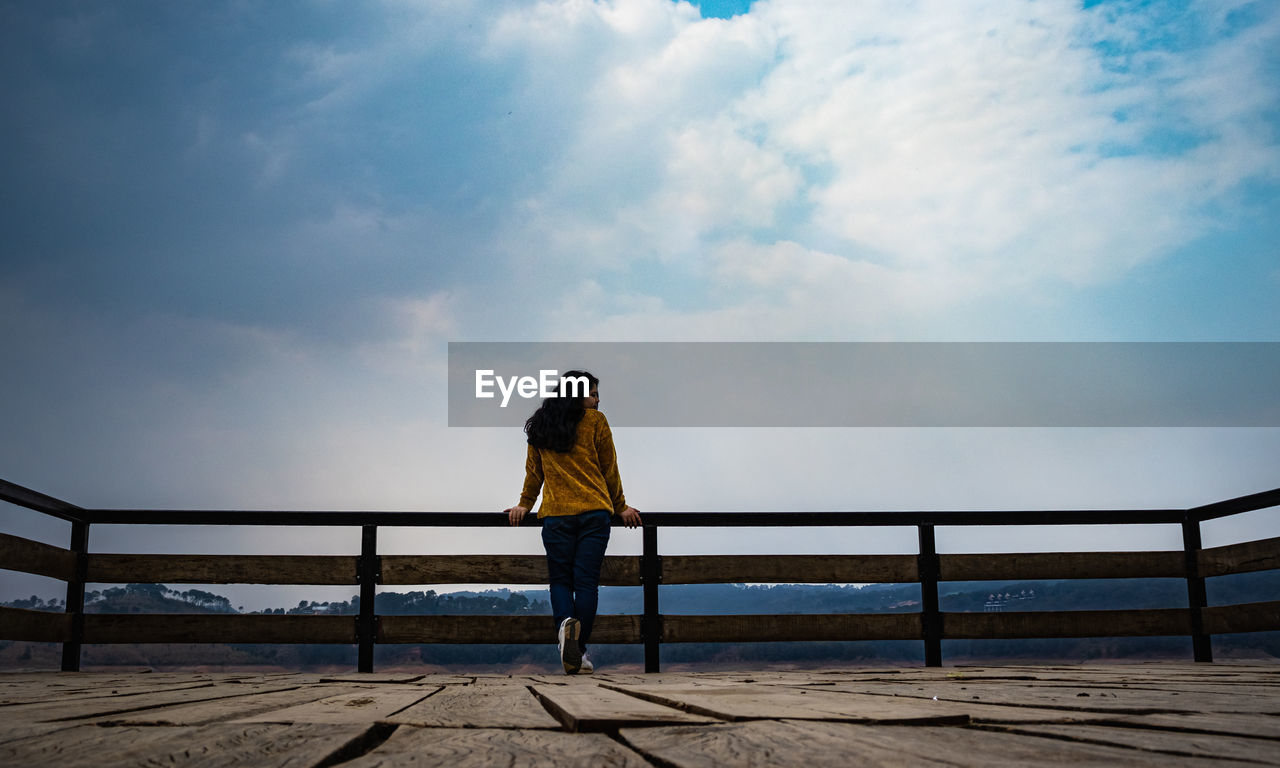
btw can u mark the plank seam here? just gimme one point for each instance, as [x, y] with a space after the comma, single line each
[128, 710]
[110, 695]
[372, 738]
[1059, 708]
[692, 709]
[1120, 723]
[653, 760]
[415, 702]
[561, 715]
[1070, 739]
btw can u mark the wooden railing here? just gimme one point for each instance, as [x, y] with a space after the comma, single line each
[78, 566]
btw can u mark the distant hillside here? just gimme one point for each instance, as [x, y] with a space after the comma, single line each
[677, 599]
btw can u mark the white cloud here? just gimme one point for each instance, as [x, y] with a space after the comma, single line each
[976, 137]
[715, 178]
[776, 291]
[994, 146]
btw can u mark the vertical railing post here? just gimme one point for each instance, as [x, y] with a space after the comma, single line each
[1197, 599]
[650, 577]
[368, 573]
[930, 618]
[75, 596]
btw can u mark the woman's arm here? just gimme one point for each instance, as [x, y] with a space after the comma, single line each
[607, 457]
[532, 486]
[629, 514]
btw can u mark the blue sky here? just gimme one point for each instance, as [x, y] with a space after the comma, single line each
[238, 236]
[723, 9]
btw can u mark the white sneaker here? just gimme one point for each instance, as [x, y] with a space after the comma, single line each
[570, 652]
[587, 667]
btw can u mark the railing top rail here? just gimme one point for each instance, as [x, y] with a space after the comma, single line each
[40, 502]
[25, 497]
[659, 519]
[1250, 503]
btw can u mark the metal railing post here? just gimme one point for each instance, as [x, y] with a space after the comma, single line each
[75, 596]
[930, 617]
[650, 577]
[1197, 599]
[368, 574]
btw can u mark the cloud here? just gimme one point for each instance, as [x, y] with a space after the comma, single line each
[1008, 147]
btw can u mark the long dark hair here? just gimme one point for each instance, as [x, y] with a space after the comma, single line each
[554, 425]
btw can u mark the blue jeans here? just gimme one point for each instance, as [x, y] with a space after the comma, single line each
[575, 547]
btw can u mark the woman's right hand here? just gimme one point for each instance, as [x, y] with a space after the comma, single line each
[516, 514]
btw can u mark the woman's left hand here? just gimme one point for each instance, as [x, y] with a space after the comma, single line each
[516, 514]
[631, 517]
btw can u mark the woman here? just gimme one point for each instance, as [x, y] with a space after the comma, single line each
[571, 453]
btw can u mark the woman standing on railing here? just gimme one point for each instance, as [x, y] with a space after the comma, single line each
[571, 453]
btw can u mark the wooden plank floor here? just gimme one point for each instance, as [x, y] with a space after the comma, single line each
[1154, 714]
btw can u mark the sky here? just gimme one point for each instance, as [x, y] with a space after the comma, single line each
[238, 237]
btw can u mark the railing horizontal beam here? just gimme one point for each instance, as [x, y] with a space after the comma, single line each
[25, 497]
[1061, 565]
[27, 556]
[788, 569]
[1247, 557]
[752, 628]
[35, 557]
[1250, 503]
[898, 518]
[34, 626]
[217, 628]
[303, 518]
[1032, 624]
[659, 519]
[617, 571]
[1245, 617]
[107, 568]
[453, 629]
[43, 626]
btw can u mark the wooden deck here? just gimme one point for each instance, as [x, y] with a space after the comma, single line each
[1157, 714]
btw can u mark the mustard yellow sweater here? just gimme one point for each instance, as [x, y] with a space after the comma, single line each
[580, 480]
